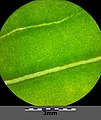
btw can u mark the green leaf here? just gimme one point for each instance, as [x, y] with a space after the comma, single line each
[50, 53]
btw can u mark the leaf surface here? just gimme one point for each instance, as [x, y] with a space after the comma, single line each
[43, 36]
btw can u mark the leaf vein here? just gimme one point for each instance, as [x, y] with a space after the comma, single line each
[39, 25]
[52, 70]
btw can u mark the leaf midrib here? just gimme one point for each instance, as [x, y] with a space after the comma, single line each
[52, 70]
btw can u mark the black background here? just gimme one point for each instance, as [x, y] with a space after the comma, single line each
[7, 98]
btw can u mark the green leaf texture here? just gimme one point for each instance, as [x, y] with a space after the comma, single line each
[50, 53]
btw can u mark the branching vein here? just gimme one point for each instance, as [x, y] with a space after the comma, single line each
[39, 25]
